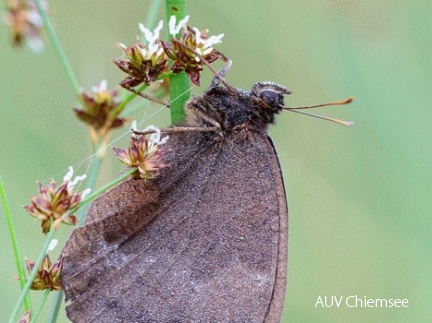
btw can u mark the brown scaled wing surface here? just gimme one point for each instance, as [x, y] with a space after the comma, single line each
[206, 241]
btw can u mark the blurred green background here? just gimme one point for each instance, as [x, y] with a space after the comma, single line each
[360, 201]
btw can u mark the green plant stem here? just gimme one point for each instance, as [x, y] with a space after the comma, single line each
[15, 248]
[32, 275]
[36, 312]
[58, 49]
[153, 13]
[91, 181]
[55, 307]
[179, 83]
[130, 96]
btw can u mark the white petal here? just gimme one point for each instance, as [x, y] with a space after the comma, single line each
[171, 25]
[68, 175]
[207, 51]
[147, 33]
[144, 52]
[163, 140]
[151, 37]
[198, 35]
[213, 40]
[134, 126]
[34, 18]
[173, 29]
[154, 137]
[76, 180]
[85, 193]
[158, 28]
[35, 44]
[52, 244]
[159, 53]
[102, 87]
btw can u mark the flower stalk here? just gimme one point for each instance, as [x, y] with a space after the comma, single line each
[55, 43]
[15, 248]
[179, 83]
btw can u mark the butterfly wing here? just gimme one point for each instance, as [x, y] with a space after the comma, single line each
[213, 249]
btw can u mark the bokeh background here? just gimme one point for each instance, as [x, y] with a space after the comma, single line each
[360, 198]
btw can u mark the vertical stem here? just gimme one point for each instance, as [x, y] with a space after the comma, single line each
[55, 307]
[15, 248]
[36, 312]
[179, 83]
[32, 275]
[58, 49]
[152, 14]
[93, 175]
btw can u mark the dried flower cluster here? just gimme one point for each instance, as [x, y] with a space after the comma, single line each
[100, 111]
[48, 274]
[53, 203]
[146, 64]
[25, 23]
[144, 154]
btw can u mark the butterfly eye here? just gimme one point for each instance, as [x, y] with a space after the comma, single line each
[270, 98]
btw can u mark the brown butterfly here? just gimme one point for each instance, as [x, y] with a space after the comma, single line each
[206, 241]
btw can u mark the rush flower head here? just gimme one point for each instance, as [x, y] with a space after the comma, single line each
[191, 38]
[99, 110]
[146, 63]
[53, 203]
[48, 274]
[143, 63]
[143, 154]
[25, 23]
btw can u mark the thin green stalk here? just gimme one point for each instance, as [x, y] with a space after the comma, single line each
[179, 83]
[32, 275]
[153, 13]
[55, 307]
[126, 100]
[91, 182]
[15, 248]
[36, 312]
[58, 49]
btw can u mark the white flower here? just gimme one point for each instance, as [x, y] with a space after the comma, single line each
[101, 88]
[175, 29]
[68, 175]
[33, 15]
[35, 44]
[134, 126]
[151, 38]
[52, 244]
[207, 43]
[155, 138]
[77, 179]
[85, 193]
